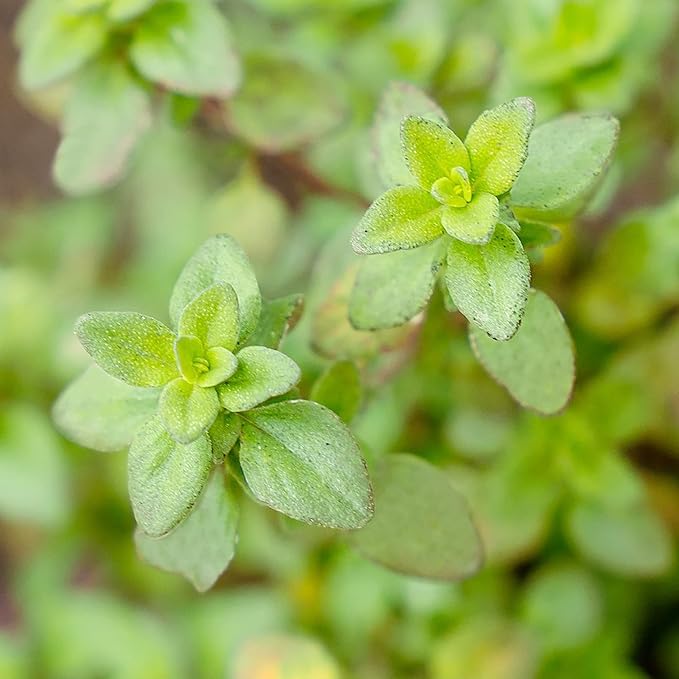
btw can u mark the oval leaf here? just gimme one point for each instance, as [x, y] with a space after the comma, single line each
[202, 546]
[300, 459]
[537, 365]
[421, 526]
[489, 283]
[165, 478]
[187, 410]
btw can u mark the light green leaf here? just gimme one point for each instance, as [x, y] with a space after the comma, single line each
[497, 143]
[399, 100]
[187, 410]
[583, 145]
[294, 113]
[186, 47]
[134, 348]
[278, 317]
[202, 546]
[339, 389]
[631, 542]
[421, 527]
[124, 10]
[100, 412]
[562, 604]
[165, 478]
[392, 288]
[104, 119]
[212, 317]
[402, 218]
[300, 459]
[224, 433]
[431, 150]
[262, 374]
[219, 260]
[475, 222]
[222, 365]
[536, 365]
[489, 283]
[58, 46]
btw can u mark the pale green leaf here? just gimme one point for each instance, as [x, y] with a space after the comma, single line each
[339, 389]
[567, 159]
[475, 222]
[399, 100]
[431, 150]
[222, 364]
[278, 317]
[631, 542]
[134, 348]
[497, 143]
[294, 113]
[300, 459]
[59, 45]
[219, 260]
[124, 10]
[402, 218]
[537, 365]
[165, 478]
[104, 119]
[489, 283]
[224, 433]
[392, 288]
[262, 374]
[212, 317]
[188, 351]
[100, 412]
[186, 47]
[187, 410]
[202, 546]
[422, 526]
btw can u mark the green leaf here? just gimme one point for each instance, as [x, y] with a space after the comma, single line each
[165, 478]
[402, 218]
[536, 235]
[212, 317]
[562, 604]
[100, 412]
[300, 459]
[219, 260]
[631, 542]
[103, 122]
[567, 158]
[186, 47]
[411, 494]
[391, 289]
[202, 546]
[187, 410]
[278, 317]
[475, 222]
[399, 100]
[59, 45]
[431, 150]
[294, 113]
[489, 283]
[124, 10]
[134, 348]
[497, 143]
[224, 433]
[223, 364]
[262, 374]
[339, 389]
[536, 365]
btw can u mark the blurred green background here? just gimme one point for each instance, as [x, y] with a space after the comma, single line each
[579, 513]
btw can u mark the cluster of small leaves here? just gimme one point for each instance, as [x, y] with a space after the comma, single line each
[111, 54]
[468, 215]
[205, 404]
